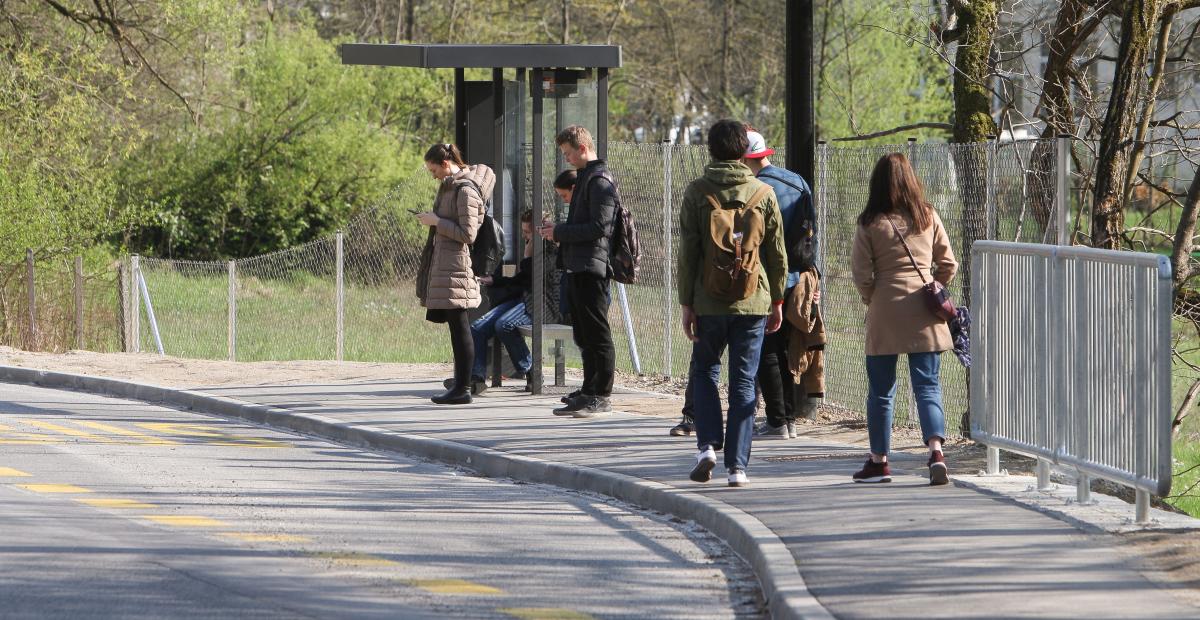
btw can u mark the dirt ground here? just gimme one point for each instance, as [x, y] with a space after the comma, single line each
[1169, 557]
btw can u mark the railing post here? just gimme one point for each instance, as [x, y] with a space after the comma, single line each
[668, 297]
[231, 327]
[1062, 193]
[1083, 488]
[993, 461]
[341, 298]
[79, 302]
[1043, 474]
[31, 330]
[135, 302]
[122, 306]
[992, 177]
[1141, 507]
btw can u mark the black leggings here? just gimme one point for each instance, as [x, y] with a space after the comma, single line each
[463, 345]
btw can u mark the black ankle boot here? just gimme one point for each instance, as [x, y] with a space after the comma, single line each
[453, 396]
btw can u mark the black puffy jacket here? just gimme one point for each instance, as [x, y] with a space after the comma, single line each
[584, 238]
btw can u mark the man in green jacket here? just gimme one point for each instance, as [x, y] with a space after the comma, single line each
[711, 323]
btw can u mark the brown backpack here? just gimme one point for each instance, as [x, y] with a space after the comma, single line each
[735, 230]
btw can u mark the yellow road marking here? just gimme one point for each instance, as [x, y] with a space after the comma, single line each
[544, 613]
[453, 586]
[113, 502]
[54, 488]
[8, 471]
[108, 428]
[277, 538]
[50, 426]
[211, 435]
[25, 438]
[185, 520]
[353, 558]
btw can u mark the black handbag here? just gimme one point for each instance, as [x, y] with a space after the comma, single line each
[937, 298]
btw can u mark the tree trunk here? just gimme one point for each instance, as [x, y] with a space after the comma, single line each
[410, 22]
[1076, 22]
[977, 22]
[1143, 128]
[1137, 28]
[1181, 252]
[566, 21]
[726, 35]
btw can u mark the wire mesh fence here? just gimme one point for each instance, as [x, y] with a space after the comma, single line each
[285, 304]
[60, 303]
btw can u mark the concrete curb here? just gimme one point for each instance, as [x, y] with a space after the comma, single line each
[783, 587]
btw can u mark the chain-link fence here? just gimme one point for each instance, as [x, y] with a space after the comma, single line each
[60, 303]
[285, 305]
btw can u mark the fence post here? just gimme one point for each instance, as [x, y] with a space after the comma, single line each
[992, 181]
[122, 306]
[341, 297]
[231, 329]
[31, 330]
[135, 303]
[1062, 193]
[79, 302]
[668, 301]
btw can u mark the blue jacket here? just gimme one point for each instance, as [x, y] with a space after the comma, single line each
[795, 196]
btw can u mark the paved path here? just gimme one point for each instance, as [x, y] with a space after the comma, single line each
[117, 509]
[904, 550]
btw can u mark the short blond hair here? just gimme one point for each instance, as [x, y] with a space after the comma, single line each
[576, 136]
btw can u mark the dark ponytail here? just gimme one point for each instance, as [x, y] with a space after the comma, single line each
[440, 153]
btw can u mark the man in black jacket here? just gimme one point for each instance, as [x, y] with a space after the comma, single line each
[584, 253]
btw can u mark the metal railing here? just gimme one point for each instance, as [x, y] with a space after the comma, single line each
[1072, 362]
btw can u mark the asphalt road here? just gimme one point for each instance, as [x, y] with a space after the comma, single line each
[117, 509]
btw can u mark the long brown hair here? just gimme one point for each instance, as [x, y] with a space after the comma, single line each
[895, 188]
[439, 153]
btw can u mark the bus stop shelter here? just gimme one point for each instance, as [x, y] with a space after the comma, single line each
[496, 119]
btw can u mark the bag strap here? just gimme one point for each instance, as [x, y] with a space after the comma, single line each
[906, 250]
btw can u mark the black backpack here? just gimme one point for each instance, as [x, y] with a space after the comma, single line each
[488, 250]
[800, 238]
[624, 250]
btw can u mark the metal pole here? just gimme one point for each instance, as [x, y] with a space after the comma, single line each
[150, 314]
[633, 351]
[460, 112]
[1142, 507]
[993, 461]
[1083, 488]
[668, 261]
[339, 259]
[31, 329]
[231, 328]
[537, 313]
[1043, 474]
[79, 302]
[912, 152]
[990, 204]
[135, 303]
[122, 307]
[602, 112]
[1062, 197]
[503, 181]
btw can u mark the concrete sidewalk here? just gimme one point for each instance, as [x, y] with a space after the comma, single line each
[901, 550]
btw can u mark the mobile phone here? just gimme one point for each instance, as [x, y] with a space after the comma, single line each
[415, 211]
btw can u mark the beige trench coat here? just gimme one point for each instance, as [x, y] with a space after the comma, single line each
[898, 321]
[447, 282]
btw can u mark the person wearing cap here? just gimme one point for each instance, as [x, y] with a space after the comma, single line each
[714, 320]
[775, 378]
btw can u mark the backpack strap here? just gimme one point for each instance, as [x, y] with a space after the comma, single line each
[759, 196]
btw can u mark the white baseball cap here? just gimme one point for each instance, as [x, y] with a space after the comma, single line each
[758, 146]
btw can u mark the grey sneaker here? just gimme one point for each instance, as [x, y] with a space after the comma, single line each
[597, 405]
[791, 430]
[767, 431]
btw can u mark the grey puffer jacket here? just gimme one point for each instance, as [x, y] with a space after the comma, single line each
[585, 237]
[446, 281]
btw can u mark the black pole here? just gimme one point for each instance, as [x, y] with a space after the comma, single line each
[602, 112]
[537, 313]
[498, 101]
[800, 113]
[460, 111]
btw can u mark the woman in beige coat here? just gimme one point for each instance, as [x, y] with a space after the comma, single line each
[898, 321]
[445, 284]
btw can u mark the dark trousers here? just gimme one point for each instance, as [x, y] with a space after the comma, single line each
[463, 346]
[588, 300]
[775, 377]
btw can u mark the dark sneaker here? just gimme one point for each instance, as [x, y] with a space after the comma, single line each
[873, 472]
[706, 461]
[570, 397]
[576, 403]
[478, 385]
[451, 397]
[774, 432]
[685, 428]
[938, 473]
[594, 406]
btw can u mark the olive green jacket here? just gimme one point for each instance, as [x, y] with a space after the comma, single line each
[729, 181]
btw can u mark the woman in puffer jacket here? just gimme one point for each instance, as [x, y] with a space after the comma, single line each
[446, 285]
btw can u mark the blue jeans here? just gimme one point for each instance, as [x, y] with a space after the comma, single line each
[743, 335]
[502, 322]
[924, 369]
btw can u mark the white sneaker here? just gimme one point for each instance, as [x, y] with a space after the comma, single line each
[737, 478]
[706, 460]
[791, 429]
